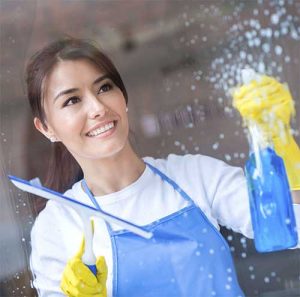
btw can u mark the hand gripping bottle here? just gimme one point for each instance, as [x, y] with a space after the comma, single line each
[272, 214]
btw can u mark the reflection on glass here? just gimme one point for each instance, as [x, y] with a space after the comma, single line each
[179, 62]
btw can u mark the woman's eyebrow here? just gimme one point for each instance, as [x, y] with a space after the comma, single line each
[101, 78]
[65, 92]
[72, 90]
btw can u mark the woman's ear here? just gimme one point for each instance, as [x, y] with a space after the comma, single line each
[41, 128]
[45, 131]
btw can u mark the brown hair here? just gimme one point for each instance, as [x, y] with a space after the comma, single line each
[63, 169]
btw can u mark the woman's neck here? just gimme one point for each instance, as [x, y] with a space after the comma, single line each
[108, 175]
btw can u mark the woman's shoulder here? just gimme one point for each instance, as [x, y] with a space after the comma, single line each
[196, 170]
[187, 161]
[55, 235]
[54, 215]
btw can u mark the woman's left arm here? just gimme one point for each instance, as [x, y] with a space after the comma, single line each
[230, 204]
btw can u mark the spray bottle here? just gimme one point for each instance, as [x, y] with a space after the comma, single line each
[271, 207]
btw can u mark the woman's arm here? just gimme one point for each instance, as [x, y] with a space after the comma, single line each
[55, 236]
[230, 204]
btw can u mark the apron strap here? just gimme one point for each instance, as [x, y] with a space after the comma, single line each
[176, 187]
[171, 182]
[155, 170]
[91, 196]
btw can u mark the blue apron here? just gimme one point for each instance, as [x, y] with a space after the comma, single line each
[187, 256]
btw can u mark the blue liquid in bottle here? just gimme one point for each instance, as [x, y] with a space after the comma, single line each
[271, 207]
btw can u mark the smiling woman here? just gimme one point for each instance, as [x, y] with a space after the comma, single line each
[64, 170]
[79, 102]
[85, 111]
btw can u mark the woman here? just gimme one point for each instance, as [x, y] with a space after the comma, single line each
[79, 102]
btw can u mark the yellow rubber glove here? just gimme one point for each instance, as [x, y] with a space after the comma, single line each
[269, 103]
[79, 281]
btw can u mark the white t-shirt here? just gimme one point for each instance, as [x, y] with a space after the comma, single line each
[218, 189]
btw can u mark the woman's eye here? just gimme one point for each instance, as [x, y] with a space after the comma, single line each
[105, 88]
[73, 100]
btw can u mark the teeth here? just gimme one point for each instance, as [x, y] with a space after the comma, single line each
[101, 130]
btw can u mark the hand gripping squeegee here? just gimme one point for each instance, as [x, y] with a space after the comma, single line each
[85, 211]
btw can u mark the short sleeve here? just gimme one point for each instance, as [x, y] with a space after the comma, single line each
[226, 192]
[226, 188]
[229, 199]
[220, 190]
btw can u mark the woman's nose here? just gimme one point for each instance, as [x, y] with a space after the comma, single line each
[96, 108]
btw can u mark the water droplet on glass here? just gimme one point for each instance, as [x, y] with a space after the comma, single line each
[227, 157]
[275, 19]
[278, 50]
[227, 287]
[261, 67]
[243, 240]
[242, 156]
[215, 145]
[243, 55]
[266, 47]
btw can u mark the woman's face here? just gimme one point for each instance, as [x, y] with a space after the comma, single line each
[85, 110]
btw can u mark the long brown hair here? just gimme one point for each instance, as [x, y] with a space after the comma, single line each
[63, 169]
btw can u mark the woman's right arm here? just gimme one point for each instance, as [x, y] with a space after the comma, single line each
[48, 255]
[57, 249]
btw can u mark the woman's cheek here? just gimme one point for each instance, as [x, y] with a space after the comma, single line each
[69, 123]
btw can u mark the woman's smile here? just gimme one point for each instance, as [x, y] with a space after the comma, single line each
[103, 130]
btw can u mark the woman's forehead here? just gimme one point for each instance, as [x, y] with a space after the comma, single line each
[71, 74]
[74, 68]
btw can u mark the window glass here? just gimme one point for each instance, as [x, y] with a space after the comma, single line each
[179, 60]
